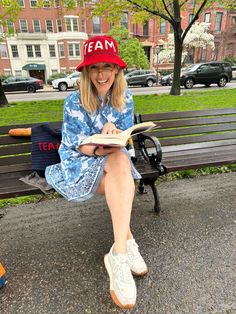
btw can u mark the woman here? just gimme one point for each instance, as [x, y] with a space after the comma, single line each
[102, 105]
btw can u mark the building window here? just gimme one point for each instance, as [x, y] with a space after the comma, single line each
[49, 26]
[47, 4]
[190, 18]
[30, 53]
[203, 54]
[52, 51]
[63, 70]
[72, 24]
[7, 72]
[3, 51]
[21, 3]
[219, 16]
[145, 28]
[96, 24]
[23, 26]
[37, 51]
[83, 26]
[59, 26]
[37, 26]
[54, 72]
[163, 27]
[1, 29]
[207, 18]
[61, 49]
[74, 50]
[56, 3]
[234, 20]
[18, 73]
[124, 20]
[33, 51]
[33, 3]
[10, 26]
[14, 51]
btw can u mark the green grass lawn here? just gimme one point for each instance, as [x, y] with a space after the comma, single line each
[51, 110]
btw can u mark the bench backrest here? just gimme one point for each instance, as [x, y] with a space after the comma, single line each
[195, 132]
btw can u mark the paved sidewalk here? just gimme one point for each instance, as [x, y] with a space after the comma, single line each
[53, 252]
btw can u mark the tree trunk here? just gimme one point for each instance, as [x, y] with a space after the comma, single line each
[3, 98]
[175, 88]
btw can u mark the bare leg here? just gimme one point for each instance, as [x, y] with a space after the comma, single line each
[119, 188]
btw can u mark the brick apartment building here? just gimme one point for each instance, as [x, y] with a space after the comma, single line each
[49, 40]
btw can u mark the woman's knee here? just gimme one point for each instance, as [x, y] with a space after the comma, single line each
[119, 161]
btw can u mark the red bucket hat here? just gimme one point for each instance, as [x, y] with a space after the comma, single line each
[101, 49]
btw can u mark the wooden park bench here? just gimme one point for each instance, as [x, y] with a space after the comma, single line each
[185, 140]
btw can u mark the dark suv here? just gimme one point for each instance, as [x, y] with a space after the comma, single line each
[206, 73]
[141, 77]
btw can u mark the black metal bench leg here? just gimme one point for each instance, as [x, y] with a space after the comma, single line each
[157, 206]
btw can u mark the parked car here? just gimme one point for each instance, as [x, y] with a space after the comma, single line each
[206, 73]
[233, 72]
[21, 83]
[141, 77]
[66, 82]
[166, 80]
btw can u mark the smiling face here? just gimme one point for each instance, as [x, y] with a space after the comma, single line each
[102, 76]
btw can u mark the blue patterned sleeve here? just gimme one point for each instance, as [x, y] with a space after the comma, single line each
[75, 127]
[126, 119]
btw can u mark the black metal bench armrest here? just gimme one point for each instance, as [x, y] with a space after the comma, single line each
[153, 158]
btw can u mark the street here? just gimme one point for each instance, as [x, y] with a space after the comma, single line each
[48, 93]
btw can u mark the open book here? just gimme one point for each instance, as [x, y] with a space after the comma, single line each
[118, 139]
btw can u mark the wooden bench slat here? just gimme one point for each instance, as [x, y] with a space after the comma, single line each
[159, 133]
[197, 139]
[171, 165]
[194, 146]
[15, 168]
[15, 149]
[186, 114]
[194, 122]
[14, 160]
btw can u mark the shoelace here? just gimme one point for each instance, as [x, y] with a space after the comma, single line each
[133, 251]
[122, 270]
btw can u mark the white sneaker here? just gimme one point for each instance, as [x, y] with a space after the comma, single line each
[122, 285]
[136, 262]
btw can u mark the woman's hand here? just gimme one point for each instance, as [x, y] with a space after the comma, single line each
[110, 128]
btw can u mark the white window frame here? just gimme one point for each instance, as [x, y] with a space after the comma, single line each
[59, 50]
[74, 50]
[33, 3]
[207, 17]
[59, 26]
[12, 25]
[7, 72]
[55, 5]
[63, 70]
[71, 20]
[34, 51]
[47, 4]
[95, 25]
[26, 25]
[23, 3]
[47, 27]
[83, 26]
[4, 50]
[18, 73]
[54, 47]
[39, 26]
[16, 51]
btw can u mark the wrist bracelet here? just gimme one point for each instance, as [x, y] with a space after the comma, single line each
[94, 152]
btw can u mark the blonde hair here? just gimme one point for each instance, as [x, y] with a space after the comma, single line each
[89, 97]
